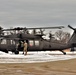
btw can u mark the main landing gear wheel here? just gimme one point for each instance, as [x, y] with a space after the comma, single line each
[6, 51]
[17, 52]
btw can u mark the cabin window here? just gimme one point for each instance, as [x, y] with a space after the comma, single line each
[3, 41]
[12, 42]
[36, 43]
[31, 43]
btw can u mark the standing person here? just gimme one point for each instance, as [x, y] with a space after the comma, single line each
[25, 48]
[17, 49]
[20, 46]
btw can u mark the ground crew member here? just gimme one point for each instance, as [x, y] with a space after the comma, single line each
[17, 49]
[25, 48]
[20, 46]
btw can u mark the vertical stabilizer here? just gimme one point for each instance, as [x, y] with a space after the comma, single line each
[72, 40]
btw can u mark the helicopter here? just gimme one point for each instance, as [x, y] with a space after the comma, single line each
[8, 42]
[35, 41]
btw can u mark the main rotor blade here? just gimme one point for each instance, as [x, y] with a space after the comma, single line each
[19, 28]
[58, 27]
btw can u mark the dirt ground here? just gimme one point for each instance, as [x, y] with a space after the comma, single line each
[66, 67]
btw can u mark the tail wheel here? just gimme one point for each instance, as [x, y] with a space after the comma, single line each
[63, 52]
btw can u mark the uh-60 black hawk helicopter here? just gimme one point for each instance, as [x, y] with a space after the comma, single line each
[35, 41]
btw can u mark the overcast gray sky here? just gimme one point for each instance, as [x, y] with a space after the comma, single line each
[35, 13]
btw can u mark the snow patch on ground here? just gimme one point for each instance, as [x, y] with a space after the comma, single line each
[35, 57]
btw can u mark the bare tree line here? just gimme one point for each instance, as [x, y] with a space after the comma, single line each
[62, 36]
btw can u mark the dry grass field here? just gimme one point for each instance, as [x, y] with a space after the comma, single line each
[65, 67]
